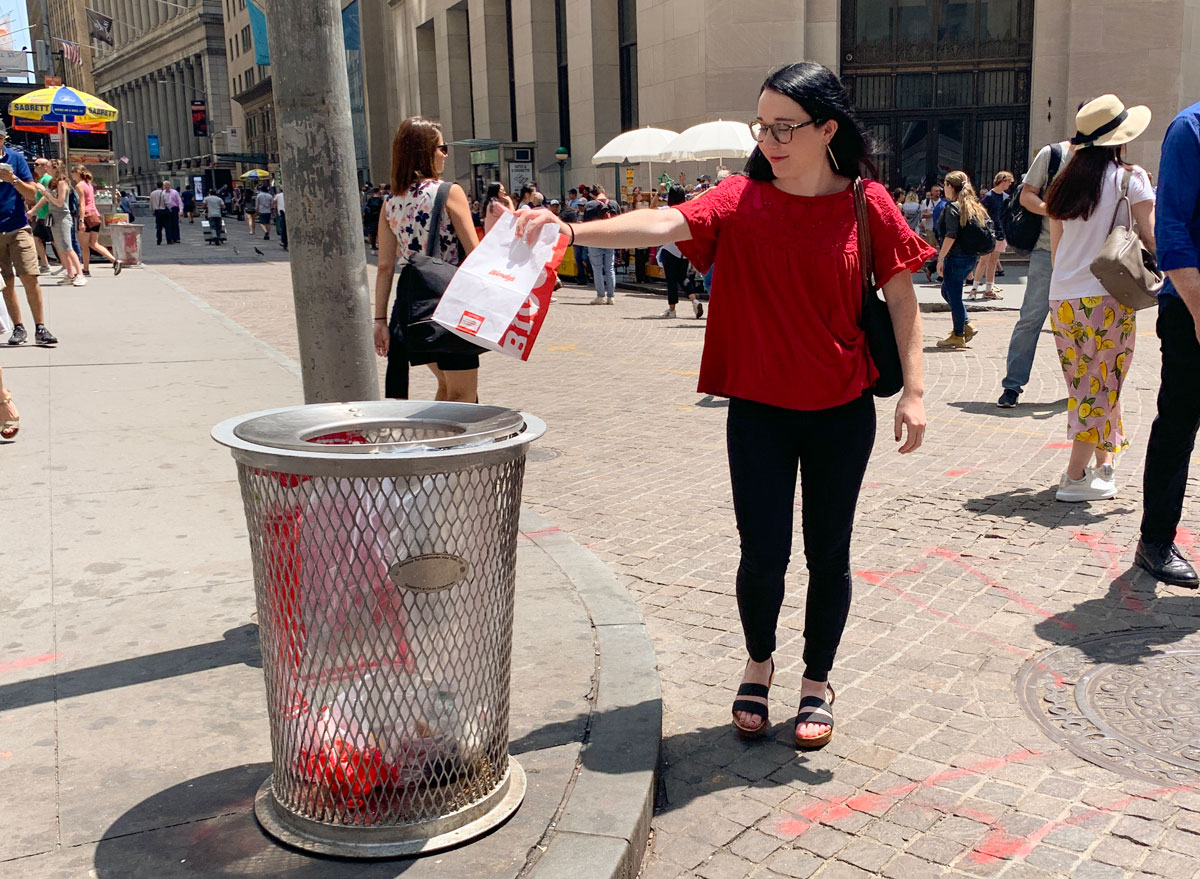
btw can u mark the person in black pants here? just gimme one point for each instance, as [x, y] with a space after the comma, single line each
[675, 266]
[1173, 435]
[799, 390]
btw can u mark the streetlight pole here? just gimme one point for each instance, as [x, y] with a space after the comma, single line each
[316, 149]
[562, 155]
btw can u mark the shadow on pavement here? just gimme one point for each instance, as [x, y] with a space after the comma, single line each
[206, 827]
[1129, 605]
[238, 645]
[1038, 411]
[711, 402]
[1041, 508]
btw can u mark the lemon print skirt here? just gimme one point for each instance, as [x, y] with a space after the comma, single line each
[1095, 337]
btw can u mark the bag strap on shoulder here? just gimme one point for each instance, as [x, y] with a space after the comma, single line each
[866, 253]
[433, 245]
[1126, 177]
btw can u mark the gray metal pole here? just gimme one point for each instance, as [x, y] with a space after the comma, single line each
[316, 148]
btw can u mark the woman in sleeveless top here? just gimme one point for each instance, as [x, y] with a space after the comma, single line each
[89, 230]
[418, 159]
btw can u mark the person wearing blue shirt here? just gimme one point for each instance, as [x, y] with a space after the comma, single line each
[18, 253]
[1177, 231]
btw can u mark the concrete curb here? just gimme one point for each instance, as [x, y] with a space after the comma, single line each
[604, 821]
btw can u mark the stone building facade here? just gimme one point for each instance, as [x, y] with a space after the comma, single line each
[167, 56]
[67, 22]
[944, 84]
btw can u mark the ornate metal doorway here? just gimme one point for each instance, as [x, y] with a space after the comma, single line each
[944, 84]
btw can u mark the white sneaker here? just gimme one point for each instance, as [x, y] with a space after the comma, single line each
[599, 300]
[608, 301]
[1092, 487]
[80, 281]
[667, 313]
[698, 307]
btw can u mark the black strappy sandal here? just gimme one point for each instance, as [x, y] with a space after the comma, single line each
[758, 709]
[818, 711]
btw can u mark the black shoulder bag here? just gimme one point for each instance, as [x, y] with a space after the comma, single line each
[876, 320]
[419, 289]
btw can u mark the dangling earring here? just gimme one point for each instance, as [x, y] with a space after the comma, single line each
[829, 149]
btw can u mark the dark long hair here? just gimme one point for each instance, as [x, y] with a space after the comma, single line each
[676, 195]
[413, 147]
[1076, 190]
[493, 194]
[818, 90]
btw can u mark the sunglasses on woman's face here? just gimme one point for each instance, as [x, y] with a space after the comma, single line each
[444, 149]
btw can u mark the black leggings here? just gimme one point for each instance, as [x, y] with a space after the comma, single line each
[675, 268]
[831, 447]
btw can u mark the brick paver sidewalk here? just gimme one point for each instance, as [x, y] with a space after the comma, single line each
[967, 569]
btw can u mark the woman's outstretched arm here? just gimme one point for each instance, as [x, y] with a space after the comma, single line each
[632, 230]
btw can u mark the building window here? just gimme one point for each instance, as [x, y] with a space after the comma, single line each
[512, 73]
[246, 38]
[627, 37]
[250, 79]
[564, 93]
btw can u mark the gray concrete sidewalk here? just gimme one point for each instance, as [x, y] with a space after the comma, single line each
[133, 729]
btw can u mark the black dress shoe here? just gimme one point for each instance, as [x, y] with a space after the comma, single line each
[1166, 563]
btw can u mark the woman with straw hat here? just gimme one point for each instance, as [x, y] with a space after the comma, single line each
[1094, 332]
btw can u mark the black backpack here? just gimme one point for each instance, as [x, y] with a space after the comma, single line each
[1022, 227]
[975, 238]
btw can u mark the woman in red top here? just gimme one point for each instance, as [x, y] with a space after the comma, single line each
[783, 342]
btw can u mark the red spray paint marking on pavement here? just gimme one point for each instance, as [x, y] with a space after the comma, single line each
[1059, 445]
[825, 811]
[26, 662]
[880, 578]
[962, 472]
[998, 845]
[957, 559]
[545, 532]
[1110, 554]
[1186, 541]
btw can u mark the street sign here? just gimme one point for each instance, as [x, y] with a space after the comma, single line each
[152, 146]
[519, 173]
[51, 82]
[13, 62]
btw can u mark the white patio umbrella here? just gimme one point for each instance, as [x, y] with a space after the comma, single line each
[721, 139]
[634, 146]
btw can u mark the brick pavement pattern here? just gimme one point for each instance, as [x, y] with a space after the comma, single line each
[965, 566]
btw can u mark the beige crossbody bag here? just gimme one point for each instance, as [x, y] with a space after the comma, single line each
[1126, 269]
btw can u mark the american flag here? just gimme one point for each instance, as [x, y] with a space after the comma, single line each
[71, 52]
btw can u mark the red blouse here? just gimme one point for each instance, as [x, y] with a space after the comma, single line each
[783, 322]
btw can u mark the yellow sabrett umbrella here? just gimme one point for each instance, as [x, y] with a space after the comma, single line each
[62, 104]
[256, 174]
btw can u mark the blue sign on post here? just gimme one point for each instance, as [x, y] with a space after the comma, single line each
[152, 145]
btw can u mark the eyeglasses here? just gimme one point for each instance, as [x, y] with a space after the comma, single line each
[444, 149]
[781, 131]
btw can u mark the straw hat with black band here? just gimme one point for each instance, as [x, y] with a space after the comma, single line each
[1106, 122]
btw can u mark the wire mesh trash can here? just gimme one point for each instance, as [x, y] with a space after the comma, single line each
[383, 536]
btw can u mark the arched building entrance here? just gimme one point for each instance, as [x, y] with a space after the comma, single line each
[944, 84]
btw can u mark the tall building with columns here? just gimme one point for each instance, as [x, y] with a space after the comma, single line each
[944, 84]
[167, 55]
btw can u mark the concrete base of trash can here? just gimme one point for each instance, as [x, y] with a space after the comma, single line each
[392, 841]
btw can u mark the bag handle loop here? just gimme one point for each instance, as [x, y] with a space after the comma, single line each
[433, 244]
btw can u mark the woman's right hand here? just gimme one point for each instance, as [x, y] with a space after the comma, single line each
[383, 338]
[530, 224]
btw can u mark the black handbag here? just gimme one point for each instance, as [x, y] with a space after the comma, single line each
[419, 289]
[876, 320]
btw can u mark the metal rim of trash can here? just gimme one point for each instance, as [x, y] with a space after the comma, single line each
[282, 439]
[392, 841]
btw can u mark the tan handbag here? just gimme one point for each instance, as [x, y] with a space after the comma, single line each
[1126, 269]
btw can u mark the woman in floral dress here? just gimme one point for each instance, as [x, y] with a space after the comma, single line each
[418, 158]
[1095, 333]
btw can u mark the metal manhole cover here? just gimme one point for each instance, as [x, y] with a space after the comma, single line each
[539, 454]
[1123, 702]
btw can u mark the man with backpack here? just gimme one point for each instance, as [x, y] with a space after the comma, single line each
[1028, 228]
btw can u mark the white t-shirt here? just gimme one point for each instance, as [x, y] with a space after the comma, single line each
[213, 204]
[280, 203]
[1082, 239]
